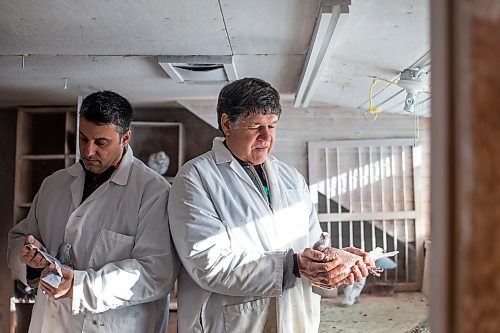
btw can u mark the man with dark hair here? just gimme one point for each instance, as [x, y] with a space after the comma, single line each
[244, 225]
[109, 212]
[107, 107]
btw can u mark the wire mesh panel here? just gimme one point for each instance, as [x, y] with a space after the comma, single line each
[364, 194]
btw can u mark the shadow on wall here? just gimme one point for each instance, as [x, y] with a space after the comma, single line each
[377, 234]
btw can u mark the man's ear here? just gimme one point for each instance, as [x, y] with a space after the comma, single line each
[225, 124]
[126, 138]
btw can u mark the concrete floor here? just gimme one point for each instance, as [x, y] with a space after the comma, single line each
[398, 313]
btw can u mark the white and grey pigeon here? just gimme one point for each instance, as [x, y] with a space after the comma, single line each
[348, 258]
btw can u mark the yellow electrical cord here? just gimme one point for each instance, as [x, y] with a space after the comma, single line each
[371, 109]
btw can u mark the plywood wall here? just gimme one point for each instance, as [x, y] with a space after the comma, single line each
[299, 126]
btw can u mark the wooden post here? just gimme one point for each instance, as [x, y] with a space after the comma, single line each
[7, 163]
[465, 166]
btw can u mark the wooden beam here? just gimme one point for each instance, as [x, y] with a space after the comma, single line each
[7, 158]
[368, 216]
[465, 166]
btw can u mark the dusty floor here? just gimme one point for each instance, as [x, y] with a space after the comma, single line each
[399, 313]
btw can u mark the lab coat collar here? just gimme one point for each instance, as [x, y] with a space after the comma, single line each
[120, 176]
[224, 155]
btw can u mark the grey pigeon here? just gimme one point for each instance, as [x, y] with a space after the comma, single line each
[65, 255]
[65, 258]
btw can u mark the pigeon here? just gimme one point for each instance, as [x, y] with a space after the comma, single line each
[348, 258]
[65, 258]
[64, 255]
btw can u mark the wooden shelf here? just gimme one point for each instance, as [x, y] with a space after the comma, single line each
[45, 143]
[43, 157]
[24, 205]
[150, 137]
[40, 133]
[30, 174]
[18, 300]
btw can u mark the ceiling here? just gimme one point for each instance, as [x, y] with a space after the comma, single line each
[52, 51]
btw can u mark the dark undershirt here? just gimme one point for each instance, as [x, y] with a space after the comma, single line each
[94, 180]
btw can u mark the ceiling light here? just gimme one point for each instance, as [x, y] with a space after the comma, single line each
[326, 29]
[413, 81]
[199, 69]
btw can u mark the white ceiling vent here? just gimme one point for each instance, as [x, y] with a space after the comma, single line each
[199, 69]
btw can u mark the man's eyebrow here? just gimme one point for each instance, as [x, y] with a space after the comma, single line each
[103, 138]
[261, 123]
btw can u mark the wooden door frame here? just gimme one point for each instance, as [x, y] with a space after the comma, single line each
[465, 168]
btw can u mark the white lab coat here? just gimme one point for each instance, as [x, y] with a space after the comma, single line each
[124, 263]
[232, 246]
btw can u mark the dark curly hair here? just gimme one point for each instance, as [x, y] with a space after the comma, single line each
[247, 96]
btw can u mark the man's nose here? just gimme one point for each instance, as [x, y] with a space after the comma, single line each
[265, 134]
[87, 149]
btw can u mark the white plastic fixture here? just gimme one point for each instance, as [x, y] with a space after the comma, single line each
[199, 69]
[413, 81]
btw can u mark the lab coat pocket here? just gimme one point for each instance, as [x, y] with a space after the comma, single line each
[109, 247]
[246, 317]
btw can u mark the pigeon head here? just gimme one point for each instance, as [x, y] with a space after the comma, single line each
[323, 242]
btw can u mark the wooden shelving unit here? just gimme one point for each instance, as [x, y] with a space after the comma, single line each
[46, 142]
[150, 137]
